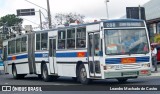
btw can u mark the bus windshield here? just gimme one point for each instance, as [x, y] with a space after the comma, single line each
[126, 41]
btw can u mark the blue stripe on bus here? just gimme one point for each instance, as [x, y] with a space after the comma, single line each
[142, 59]
[113, 61]
[70, 54]
[37, 55]
[118, 60]
[19, 57]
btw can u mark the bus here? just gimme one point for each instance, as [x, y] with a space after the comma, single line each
[85, 52]
[1, 62]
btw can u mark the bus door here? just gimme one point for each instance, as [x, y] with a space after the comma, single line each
[93, 51]
[52, 53]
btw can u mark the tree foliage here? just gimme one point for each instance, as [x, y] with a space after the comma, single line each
[10, 20]
[68, 18]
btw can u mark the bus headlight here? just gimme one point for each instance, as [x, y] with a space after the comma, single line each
[113, 67]
[110, 67]
[145, 65]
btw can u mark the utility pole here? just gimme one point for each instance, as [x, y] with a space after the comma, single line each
[40, 19]
[106, 1]
[49, 15]
[47, 10]
[139, 12]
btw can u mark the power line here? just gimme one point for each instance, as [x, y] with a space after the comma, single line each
[30, 21]
[37, 5]
[47, 10]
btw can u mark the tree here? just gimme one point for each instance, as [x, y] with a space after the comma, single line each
[10, 20]
[68, 18]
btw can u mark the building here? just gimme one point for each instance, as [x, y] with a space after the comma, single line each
[152, 10]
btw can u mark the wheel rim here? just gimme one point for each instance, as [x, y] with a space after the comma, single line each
[83, 74]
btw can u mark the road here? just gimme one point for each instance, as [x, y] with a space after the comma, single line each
[63, 82]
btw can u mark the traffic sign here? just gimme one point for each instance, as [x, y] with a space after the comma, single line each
[25, 12]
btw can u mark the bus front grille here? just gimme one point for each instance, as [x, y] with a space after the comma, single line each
[131, 66]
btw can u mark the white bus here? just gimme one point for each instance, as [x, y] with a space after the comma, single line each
[108, 49]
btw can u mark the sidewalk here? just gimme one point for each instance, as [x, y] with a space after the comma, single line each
[157, 73]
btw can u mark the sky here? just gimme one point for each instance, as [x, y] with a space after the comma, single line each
[91, 9]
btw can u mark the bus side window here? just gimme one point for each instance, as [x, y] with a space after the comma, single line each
[61, 39]
[82, 44]
[44, 39]
[81, 37]
[71, 38]
[24, 44]
[61, 45]
[38, 42]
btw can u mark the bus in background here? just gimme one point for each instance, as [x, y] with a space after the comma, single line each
[1, 62]
[117, 49]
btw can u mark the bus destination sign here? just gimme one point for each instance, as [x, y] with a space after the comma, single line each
[123, 24]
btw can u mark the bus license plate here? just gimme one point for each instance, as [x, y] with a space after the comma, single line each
[129, 73]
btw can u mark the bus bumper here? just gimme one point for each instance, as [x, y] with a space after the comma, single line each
[119, 74]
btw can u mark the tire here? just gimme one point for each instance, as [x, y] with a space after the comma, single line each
[45, 75]
[54, 77]
[82, 75]
[75, 79]
[122, 80]
[15, 75]
[39, 76]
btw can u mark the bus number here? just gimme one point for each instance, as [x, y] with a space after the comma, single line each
[111, 25]
[44, 55]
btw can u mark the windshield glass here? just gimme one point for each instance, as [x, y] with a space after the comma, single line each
[132, 41]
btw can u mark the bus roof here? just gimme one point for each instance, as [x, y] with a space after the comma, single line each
[82, 25]
[79, 25]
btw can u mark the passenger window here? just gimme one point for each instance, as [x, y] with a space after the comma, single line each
[24, 44]
[71, 38]
[61, 39]
[81, 38]
[44, 39]
[38, 45]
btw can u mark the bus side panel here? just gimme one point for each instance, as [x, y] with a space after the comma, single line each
[67, 70]
[59, 67]
[23, 67]
[39, 57]
[38, 68]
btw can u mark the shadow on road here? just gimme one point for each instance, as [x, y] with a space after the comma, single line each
[69, 80]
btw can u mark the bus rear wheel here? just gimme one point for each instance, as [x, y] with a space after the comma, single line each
[82, 75]
[45, 75]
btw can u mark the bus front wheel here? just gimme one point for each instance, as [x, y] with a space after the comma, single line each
[45, 75]
[82, 75]
[122, 80]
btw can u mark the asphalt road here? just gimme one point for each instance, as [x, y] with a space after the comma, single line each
[64, 82]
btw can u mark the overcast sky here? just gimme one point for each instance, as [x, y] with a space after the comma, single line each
[91, 9]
